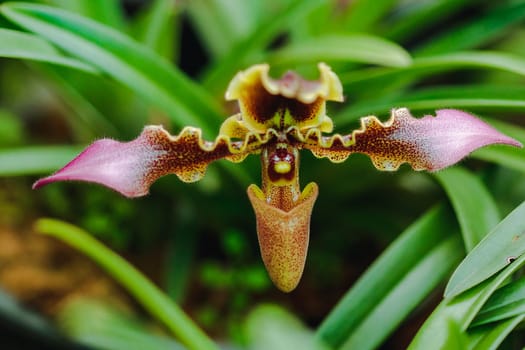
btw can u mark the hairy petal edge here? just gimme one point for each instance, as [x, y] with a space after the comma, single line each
[131, 167]
[429, 143]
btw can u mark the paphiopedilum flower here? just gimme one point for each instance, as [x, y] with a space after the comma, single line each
[277, 119]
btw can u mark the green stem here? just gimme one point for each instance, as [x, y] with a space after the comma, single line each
[150, 296]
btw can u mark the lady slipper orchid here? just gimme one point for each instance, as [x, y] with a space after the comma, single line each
[277, 119]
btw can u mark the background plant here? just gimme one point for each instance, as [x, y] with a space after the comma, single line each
[85, 69]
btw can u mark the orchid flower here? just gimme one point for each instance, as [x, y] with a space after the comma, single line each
[277, 118]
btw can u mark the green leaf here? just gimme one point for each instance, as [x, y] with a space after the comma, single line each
[360, 48]
[403, 298]
[86, 120]
[145, 292]
[461, 310]
[394, 272]
[11, 130]
[456, 339]
[181, 249]
[221, 24]
[15, 44]
[481, 30]
[472, 97]
[506, 302]
[159, 27]
[35, 160]
[29, 323]
[251, 46]
[490, 337]
[421, 67]
[504, 244]
[363, 14]
[475, 208]
[126, 61]
[511, 157]
[123, 59]
[99, 326]
[422, 15]
[108, 12]
[270, 327]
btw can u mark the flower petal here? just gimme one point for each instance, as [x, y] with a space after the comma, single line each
[279, 103]
[131, 167]
[430, 143]
[283, 235]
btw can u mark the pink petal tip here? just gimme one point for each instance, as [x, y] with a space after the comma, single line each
[121, 166]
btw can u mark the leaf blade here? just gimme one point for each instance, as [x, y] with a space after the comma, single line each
[255, 43]
[125, 60]
[154, 300]
[35, 160]
[375, 284]
[498, 249]
[105, 11]
[100, 326]
[363, 14]
[15, 44]
[506, 302]
[479, 31]
[489, 338]
[473, 97]
[359, 48]
[475, 208]
[158, 29]
[460, 310]
[430, 65]
[406, 295]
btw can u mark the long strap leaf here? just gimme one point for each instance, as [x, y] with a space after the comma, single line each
[125, 60]
[153, 300]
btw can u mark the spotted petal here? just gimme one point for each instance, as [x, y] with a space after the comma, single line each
[430, 143]
[131, 167]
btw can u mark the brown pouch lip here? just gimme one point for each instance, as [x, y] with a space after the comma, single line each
[284, 236]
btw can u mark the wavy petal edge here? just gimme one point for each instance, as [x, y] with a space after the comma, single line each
[131, 167]
[429, 143]
[290, 85]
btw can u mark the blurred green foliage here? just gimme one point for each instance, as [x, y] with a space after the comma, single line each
[78, 70]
